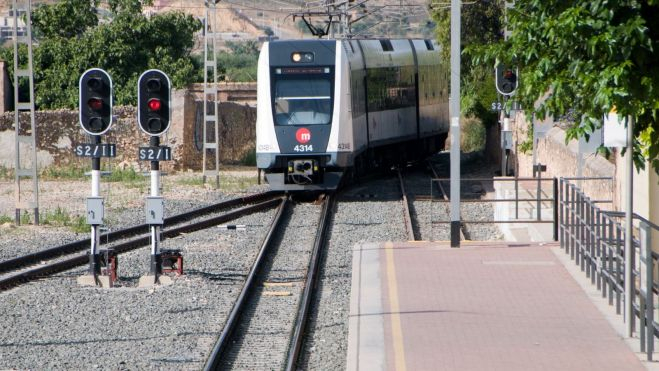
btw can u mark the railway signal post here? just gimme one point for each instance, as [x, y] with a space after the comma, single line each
[506, 83]
[454, 109]
[95, 116]
[153, 116]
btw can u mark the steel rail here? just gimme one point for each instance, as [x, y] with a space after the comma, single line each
[213, 362]
[309, 286]
[39, 272]
[444, 196]
[407, 216]
[77, 246]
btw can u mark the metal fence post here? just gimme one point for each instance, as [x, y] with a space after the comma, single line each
[601, 253]
[556, 203]
[516, 198]
[647, 300]
[573, 222]
[538, 195]
[619, 269]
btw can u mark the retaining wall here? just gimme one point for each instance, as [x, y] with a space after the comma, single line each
[58, 132]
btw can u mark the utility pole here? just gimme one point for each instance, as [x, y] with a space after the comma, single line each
[25, 136]
[455, 122]
[629, 237]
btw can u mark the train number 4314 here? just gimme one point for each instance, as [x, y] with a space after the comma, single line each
[303, 148]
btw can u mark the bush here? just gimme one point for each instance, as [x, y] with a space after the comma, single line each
[473, 135]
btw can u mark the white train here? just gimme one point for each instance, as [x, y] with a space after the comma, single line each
[327, 109]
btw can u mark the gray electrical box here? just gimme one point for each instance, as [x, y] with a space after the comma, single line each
[506, 139]
[155, 209]
[95, 207]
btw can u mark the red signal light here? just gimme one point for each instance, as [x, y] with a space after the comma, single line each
[95, 103]
[154, 104]
[507, 74]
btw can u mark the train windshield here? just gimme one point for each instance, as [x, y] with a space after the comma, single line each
[303, 101]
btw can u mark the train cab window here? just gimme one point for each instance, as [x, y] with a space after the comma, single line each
[306, 101]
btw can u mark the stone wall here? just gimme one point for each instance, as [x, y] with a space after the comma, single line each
[561, 161]
[58, 132]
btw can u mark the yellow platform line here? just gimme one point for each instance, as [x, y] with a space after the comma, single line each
[396, 328]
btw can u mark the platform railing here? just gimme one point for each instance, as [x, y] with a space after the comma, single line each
[539, 201]
[595, 240]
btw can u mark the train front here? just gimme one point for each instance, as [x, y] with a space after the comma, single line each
[295, 111]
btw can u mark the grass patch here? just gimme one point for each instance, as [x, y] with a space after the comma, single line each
[6, 173]
[61, 218]
[249, 159]
[473, 135]
[191, 181]
[128, 177]
[25, 218]
[69, 172]
[6, 219]
[236, 183]
[229, 183]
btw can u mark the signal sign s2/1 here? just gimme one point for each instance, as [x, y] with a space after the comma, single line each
[154, 153]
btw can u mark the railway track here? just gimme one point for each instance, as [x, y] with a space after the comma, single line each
[444, 194]
[266, 326]
[407, 215]
[23, 269]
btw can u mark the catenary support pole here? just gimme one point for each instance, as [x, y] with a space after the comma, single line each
[629, 205]
[455, 123]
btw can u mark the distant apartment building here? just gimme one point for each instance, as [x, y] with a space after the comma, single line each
[7, 26]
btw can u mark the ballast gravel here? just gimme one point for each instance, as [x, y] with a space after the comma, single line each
[55, 324]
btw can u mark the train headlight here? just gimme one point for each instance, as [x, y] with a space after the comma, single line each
[302, 57]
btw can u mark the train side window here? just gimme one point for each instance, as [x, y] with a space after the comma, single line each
[429, 44]
[386, 45]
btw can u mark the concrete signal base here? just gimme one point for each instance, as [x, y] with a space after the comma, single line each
[152, 280]
[91, 280]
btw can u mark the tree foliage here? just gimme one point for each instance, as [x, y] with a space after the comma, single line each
[239, 63]
[71, 40]
[591, 56]
[481, 25]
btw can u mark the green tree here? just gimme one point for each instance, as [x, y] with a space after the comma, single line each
[64, 19]
[239, 63]
[591, 56]
[72, 40]
[481, 24]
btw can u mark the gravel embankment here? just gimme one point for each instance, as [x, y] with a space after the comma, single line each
[56, 324]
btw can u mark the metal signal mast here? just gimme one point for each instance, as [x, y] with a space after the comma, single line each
[26, 144]
[211, 119]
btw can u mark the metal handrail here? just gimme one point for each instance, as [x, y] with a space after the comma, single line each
[596, 241]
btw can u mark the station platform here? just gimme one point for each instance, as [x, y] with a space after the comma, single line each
[483, 306]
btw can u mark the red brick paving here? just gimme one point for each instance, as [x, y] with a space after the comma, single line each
[496, 308]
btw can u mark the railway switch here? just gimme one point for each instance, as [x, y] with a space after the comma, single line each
[109, 262]
[171, 261]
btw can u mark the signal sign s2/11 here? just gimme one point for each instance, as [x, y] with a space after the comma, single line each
[95, 150]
